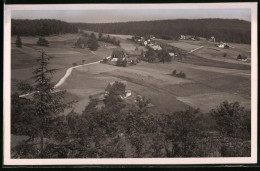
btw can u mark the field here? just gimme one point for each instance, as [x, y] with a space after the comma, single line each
[210, 51]
[208, 82]
[166, 92]
[60, 50]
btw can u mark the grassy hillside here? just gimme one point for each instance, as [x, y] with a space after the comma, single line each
[229, 30]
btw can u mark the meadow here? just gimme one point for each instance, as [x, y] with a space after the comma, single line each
[208, 82]
[211, 52]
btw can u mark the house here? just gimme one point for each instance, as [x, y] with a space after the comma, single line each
[171, 54]
[135, 53]
[212, 38]
[118, 53]
[134, 56]
[242, 58]
[156, 47]
[182, 37]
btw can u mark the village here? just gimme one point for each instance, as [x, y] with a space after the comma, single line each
[133, 93]
[121, 57]
[141, 46]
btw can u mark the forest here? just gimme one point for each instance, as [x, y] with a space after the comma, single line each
[41, 27]
[228, 30]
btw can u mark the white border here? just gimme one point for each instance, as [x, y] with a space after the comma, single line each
[127, 161]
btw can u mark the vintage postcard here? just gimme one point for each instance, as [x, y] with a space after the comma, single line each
[130, 84]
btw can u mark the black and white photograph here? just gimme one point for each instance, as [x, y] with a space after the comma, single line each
[130, 84]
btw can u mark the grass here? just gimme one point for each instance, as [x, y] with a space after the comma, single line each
[183, 45]
[154, 81]
[62, 54]
[208, 83]
[211, 52]
[197, 60]
[205, 77]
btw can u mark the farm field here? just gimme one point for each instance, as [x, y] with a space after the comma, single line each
[127, 96]
[166, 92]
[207, 80]
[210, 51]
[124, 42]
[61, 52]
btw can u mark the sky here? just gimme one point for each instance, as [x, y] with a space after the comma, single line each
[119, 15]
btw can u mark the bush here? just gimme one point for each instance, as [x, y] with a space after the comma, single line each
[174, 72]
[105, 60]
[180, 74]
[226, 46]
[150, 55]
[74, 64]
[239, 57]
[42, 42]
[18, 42]
[121, 62]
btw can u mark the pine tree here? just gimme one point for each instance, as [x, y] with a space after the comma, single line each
[100, 35]
[18, 42]
[47, 103]
[93, 43]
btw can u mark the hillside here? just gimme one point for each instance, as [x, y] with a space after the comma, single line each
[42, 27]
[229, 30]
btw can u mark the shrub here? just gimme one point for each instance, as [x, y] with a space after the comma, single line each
[225, 55]
[181, 75]
[74, 64]
[226, 46]
[121, 62]
[42, 42]
[18, 42]
[133, 62]
[174, 72]
[105, 60]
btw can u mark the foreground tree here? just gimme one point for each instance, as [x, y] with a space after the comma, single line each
[18, 42]
[232, 120]
[182, 132]
[46, 104]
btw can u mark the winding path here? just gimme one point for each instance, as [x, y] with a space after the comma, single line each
[195, 49]
[67, 74]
